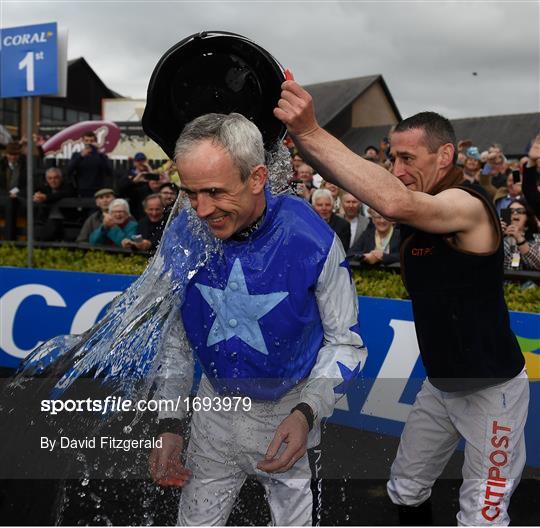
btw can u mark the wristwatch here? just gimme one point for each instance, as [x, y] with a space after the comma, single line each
[307, 411]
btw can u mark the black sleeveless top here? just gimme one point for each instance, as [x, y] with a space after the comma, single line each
[461, 319]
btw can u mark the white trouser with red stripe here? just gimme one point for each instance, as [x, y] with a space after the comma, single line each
[224, 449]
[491, 421]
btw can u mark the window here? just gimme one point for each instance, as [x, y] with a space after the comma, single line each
[10, 111]
[58, 113]
[71, 116]
[51, 114]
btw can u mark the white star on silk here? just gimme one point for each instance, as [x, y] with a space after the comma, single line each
[238, 312]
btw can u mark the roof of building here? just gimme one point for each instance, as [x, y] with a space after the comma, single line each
[331, 98]
[513, 132]
[84, 63]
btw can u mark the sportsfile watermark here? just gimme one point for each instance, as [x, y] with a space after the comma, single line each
[112, 404]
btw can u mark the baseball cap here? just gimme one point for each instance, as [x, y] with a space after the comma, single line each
[140, 156]
[472, 152]
[101, 192]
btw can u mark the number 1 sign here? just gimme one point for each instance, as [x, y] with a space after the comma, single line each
[29, 60]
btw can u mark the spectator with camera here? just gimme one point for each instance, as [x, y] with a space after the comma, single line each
[168, 193]
[335, 191]
[506, 195]
[150, 228]
[495, 166]
[103, 197]
[323, 202]
[117, 226]
[304, 182]
[473, 176]
[140, 182]
[48, 216]
[379, 243]
[531, 175]
[521, 246]
[89, 169]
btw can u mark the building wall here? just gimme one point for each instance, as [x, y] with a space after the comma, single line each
[372, 108]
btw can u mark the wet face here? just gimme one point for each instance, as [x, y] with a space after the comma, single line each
[351, 206]
[119, 214]
[154, 209]
[414, 165]
[213, 185]
[104, 201]
[168, 196]
[519, 215]
[382, 225]
[323, 206]
[53, 179]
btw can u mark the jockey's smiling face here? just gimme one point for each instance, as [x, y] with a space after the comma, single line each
[216, 191]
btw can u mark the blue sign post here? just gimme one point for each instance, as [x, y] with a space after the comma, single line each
[29, 60]
[29, 67]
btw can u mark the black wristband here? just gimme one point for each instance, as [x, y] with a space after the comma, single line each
[307, 411]
[173, 425]
[524, 241]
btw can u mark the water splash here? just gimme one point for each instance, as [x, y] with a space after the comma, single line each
[124, 351]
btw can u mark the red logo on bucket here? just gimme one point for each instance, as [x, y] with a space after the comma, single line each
[496, 484]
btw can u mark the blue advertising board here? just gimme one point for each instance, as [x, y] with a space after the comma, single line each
[29, 60]
[37, 305]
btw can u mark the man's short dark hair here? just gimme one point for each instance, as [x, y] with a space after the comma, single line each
[437, 130]
[90, 134]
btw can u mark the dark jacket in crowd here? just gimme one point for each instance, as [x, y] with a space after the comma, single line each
[342, 229]
[530, 189]
[90, 225]
[366, 243]
[89, 173]
[65, 190]
[12, 207]
[48, 215]
[134, 193]
[13, 176]
[152, 231]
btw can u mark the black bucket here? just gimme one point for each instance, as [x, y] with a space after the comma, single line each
[213, 71]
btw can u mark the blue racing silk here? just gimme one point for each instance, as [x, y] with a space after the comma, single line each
[252, 314]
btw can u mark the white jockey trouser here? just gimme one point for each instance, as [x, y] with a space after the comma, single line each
[225, 448]
[491, 421]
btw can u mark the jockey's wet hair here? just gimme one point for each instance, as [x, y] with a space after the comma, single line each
[234, 132]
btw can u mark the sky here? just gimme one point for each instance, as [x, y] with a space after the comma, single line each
[428, 52]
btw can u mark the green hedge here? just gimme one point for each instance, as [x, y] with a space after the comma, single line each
[373, 283]
[75, 260]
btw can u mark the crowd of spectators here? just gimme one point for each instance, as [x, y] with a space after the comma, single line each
[512, 185]
[129, 209]
[132, 208]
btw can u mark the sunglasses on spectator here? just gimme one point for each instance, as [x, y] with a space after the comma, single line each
[519, 210]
